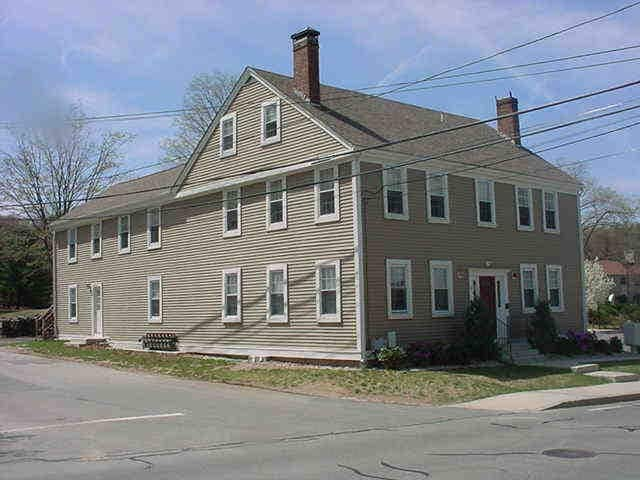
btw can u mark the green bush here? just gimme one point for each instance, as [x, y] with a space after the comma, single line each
[542, 332]
[480, 331]
[392, 358]
[615, 344]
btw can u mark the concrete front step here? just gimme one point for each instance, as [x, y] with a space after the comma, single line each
[615, 377]
[585, 368]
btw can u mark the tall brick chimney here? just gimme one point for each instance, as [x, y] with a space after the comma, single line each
[306, 64]
[509, 126]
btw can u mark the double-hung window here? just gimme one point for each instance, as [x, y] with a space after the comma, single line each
[328, 291]
[327, 194]
[96, 240]
[399, 292]
[529, 286]
[72, 294]
[231, 295]
[124, 234]
[486, 203]
[395, 193]
[154, 298]
[554, 288]
[231, 221]
[524, 207]
[228, 135]
[270, 122]
[441, 273]
[550, 208]
[277, 303]
[72, 245]
[276, 204]
[437, 197]
[154, 228]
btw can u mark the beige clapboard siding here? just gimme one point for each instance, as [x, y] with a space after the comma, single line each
[192, 256]
[468, 246]
[301, 139]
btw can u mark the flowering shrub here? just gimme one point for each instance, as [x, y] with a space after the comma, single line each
[586, 343]
[392, 358]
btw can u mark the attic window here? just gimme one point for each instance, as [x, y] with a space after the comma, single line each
[228, 135]
[270, 122]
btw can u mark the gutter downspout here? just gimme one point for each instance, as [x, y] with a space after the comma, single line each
[356, 189]
[583, 296]
[54, 278]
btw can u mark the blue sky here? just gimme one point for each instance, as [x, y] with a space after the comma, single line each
[132, 56]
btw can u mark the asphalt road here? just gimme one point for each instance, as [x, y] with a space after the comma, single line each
[70, 420]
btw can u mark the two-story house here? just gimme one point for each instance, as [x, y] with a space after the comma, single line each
[291, 232]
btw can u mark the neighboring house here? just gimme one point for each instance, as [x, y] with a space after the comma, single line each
[276, 240]
[626, 276]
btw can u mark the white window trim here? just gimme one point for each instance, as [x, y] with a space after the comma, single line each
[73, 259]
[536, 288]
[544, 212]
[276, 138]
[230, 151]
[329, 318]
[158, 244]
[448, 264]
[278, 225]
[278, 318]
[403, 187]
[151, 319]
[332, 217]
[492, 190]
[524, 228]
[559, 269]
[69, 288]
[238, 231]
[231, 318]
[128, 249]
[93, 228]
[399, 315]
[445, 182]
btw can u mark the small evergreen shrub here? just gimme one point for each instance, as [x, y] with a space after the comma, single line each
[480, 332]
[542, 332]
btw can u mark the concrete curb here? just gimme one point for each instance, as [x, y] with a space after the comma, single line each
[596, 401]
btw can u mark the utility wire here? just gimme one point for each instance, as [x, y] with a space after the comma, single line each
[178, 111]
[418, 160]
[516, 47]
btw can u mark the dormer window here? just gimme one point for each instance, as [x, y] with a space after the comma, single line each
[228, 135]
[270, 122]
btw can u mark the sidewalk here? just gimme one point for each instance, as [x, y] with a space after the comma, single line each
[538, 400]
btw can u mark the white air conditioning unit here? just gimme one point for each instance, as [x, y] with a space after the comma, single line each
[631, 334]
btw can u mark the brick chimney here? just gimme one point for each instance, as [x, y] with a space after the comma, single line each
[509, 126]
[306, 64]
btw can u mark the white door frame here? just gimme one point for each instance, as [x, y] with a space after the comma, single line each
[94, 321]
[502, 300]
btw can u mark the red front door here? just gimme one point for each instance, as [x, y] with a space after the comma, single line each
[488, 292]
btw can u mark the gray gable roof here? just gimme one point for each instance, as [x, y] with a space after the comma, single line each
[363, 121]
[127, 195]
[366, 121]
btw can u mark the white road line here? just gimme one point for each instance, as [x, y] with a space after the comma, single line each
[90, 422]
[602, 409]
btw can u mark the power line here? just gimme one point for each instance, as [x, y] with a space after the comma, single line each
[521, 45]
[421, 159]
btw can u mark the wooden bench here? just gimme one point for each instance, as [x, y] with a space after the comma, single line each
[160, 341]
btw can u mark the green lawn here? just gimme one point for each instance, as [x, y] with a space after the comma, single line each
[428, 387]
[631, 366]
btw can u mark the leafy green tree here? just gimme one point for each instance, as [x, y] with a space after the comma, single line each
[24, 267]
